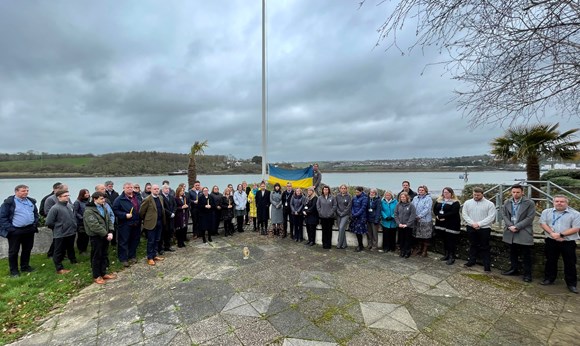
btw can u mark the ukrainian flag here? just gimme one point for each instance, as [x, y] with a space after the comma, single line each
[301, 178]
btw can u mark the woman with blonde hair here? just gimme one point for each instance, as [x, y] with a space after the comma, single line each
[447, 220]
[388, 224]
[311, 215]
[343, 210]
[253, 214]
[405, 219]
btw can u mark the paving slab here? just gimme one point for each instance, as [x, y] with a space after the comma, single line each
[286, 293]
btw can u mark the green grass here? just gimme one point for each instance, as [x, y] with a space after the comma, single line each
[26, 301]
[75, 161]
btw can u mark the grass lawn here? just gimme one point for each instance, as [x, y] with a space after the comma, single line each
[27, 300]
[75, 161]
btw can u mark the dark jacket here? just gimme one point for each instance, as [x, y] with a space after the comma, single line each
[374, 210]
[297, 204]
[122, 206]
[61, 219]
[7, 213]
[79, 209]
[405, 214]
[311, 216]
[94, 223]
[447, 216]
[227, 213]
[326, 207]
[286, 196]
[181, 215]
[263, 205]
[526, 211]
[205, 214]
[170, 205]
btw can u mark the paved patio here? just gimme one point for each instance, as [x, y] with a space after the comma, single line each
[290, 294]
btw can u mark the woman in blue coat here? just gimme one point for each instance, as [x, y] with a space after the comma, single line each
[388, 205]
[358, 217]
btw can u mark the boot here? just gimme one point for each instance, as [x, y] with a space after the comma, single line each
[425, 246]
[446, 257]
[451, 259]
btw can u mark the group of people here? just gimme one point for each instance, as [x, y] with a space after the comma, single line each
[162, 214]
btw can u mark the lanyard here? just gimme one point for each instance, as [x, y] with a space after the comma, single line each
[556, 219]
[515, 207]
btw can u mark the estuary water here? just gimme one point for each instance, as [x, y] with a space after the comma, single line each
[435, 181]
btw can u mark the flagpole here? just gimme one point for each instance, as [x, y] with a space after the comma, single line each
[264, 143]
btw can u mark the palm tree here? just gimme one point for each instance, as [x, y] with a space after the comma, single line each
[196, 148]
[534, 143]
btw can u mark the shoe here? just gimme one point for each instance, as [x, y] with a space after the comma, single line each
[63, 271]
[74, 261]
[511, 272]
[573, 289]
[307, 244]
[450, 261]
[151, 262]
[487, 269]
[312, 243]
[546, 282]
[158, 258]
[99, 281]
[402, 254]
[408, 254]
[161, 252]
[180, 245]
[132, 260]
[296, 240]
[527, 278]
[445, 258]
[126, 264]
[28, 269]
[358, 249]
[111, 276]
[469, 264]
[381, 250]
[169, 249]
[208, 239]
[14, 274]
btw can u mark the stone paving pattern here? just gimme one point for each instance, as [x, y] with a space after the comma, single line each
[290, 294]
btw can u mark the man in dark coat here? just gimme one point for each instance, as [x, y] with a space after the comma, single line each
[18, 223]
[263, 208]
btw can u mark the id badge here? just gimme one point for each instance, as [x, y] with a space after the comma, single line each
[441, 212]
[370, 210]
[514, 219]
[286, 204]
[306, 208]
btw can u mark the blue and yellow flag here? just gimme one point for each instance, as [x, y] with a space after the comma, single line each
[301, 178]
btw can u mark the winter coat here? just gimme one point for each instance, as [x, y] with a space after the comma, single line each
[96, 224]
[227, 213]
[374, 210]
[388, 213]
[61, 219]
[181, 215]
[148, 212]
[263, 205]
[277, 207]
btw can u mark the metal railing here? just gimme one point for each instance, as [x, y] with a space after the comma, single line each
[545, 194]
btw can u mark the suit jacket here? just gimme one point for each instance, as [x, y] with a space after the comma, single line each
[148, 212]
[526, 211]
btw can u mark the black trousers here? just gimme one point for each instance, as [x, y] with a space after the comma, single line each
[567, 249]
[311, 231]
[240, 223]
[99, 255]
[82, 241]
[298, 226]
[194, 218]
[327, 232]
[287, 216]
[526, 252]
[166, 236]
[450, 243]
[406, 239]
[389, 239]
[181, 235]
[16, 242]
[479, 245]
[62, 246]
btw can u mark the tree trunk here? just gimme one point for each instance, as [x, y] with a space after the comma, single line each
[533, 173]
[191, 172]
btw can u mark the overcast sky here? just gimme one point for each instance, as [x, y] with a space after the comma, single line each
[109, 76]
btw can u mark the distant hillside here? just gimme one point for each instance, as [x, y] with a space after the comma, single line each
[118, 164]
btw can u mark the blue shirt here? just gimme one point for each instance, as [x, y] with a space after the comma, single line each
[23, 212]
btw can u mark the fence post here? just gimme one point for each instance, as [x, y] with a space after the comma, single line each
[498, 203]
[549, 193]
